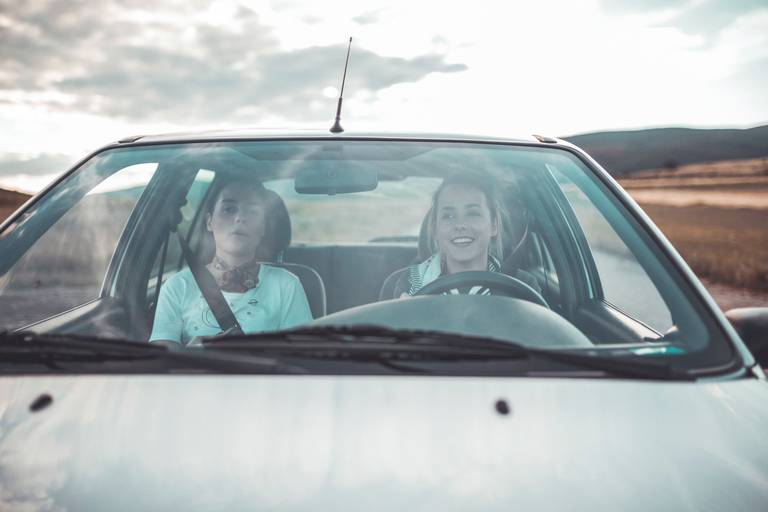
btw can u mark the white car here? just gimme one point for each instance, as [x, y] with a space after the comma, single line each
[415, 322]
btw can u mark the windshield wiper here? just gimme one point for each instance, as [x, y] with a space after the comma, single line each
[58, 351]
[373, 342]
[387, 347]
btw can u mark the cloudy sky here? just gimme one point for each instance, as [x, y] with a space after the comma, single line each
[77, 74]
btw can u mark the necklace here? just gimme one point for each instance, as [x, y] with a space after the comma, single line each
[236, 279]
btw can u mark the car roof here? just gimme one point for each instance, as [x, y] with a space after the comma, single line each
[251, 134]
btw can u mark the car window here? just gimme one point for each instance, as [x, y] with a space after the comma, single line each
[624, 282]
[393, 211]
[371, 228]
[67, 264]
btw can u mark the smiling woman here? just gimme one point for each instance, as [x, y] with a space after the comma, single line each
[463, 232]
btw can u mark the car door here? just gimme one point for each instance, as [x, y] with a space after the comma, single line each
[58, 252]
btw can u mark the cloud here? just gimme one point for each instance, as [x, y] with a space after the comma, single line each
[42, 164]
[368, 17]
[703, 18]
[710, 17]
[137, 62]
[637, 6]
[745, 87]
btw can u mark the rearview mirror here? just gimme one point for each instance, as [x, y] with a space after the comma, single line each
[752, 326]
[338, 180]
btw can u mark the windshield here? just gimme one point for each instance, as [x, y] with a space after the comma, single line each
[499, 241]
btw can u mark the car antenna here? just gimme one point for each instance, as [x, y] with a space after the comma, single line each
[336, 128]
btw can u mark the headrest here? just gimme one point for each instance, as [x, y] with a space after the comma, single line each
[278, 236]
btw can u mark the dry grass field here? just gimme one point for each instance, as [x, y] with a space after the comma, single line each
[716, 215]
[10, 200]
[725, 245]
[727, 184]
[723, 168]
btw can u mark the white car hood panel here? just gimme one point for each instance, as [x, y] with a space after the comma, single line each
[381, 443]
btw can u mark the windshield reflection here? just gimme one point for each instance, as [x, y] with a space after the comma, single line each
[305, 232]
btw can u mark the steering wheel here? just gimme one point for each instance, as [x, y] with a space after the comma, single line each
[504, 284]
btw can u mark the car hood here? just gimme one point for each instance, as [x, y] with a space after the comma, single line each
[381, 443]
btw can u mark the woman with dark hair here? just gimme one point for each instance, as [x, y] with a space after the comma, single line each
[261, 297]
[464, 229]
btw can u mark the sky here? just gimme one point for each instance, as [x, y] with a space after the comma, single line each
[76, 75]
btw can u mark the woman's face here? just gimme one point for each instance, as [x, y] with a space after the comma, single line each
[464, 227]
[238, 221]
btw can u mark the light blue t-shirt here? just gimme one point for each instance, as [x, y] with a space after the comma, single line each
[277, 302]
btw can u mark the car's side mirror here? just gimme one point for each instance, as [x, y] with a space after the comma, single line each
[752, 326]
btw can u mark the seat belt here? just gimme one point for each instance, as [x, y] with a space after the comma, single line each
[211, 291]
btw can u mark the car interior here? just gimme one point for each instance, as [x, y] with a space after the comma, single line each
[363, 273]
[544, 249]
[341, 276]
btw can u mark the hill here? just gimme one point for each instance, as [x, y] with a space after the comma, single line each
[625, 152]
[10, 200]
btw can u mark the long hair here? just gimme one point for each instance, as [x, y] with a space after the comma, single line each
[277, 232]
[490, 189]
